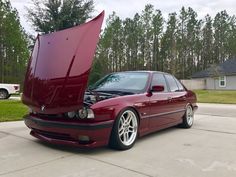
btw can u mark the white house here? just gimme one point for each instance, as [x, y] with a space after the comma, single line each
[221, 77]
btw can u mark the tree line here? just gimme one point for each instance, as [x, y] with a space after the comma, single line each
[14, 51]
[182, 44]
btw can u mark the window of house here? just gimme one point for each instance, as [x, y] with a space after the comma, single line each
[222, 81]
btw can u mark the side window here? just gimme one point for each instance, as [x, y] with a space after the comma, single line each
[172, 83]
[159, 79]
[181, 88]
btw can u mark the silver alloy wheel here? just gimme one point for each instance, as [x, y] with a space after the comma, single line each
[127, 128]
[189, 115]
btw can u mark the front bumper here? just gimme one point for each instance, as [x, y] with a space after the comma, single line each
[68, 133]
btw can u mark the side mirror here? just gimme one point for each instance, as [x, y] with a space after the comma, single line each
[158, 88]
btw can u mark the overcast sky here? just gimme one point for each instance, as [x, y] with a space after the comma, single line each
[127, 8]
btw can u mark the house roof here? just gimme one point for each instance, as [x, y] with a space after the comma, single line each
[226, 68]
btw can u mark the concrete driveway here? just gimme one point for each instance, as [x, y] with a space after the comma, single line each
[208, 149]
[18, 98]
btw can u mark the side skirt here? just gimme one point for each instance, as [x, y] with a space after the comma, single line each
[160, 128]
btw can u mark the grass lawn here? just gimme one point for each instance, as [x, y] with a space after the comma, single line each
[11, 110]
[212, 96]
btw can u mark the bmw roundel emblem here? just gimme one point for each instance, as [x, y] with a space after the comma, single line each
[42, 108]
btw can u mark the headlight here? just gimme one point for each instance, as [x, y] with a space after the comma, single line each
[81, 113]
[30, 110]
[90, 114]
[85, 113]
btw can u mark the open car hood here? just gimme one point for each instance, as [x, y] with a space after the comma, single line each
[59, 67]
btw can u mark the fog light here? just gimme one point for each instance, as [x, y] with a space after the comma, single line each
[83, 138]
[30, 110]
[71, 114]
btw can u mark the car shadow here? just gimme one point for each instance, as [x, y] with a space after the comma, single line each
[157, 134]
[72, 149]
[106, 149]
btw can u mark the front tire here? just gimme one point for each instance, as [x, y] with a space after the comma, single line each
[3, 94]
[125, 130]
[188, 117]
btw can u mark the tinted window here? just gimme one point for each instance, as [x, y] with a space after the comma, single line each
[172, 83]
[181, 88]
[127, 81]
[159, 79]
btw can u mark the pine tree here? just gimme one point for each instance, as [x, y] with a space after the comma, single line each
[207, 44]
[168, 46]
[147, 36]
[182, 45]
[13, 46]
[221, 27]
[157, 31]
[232, 37]
[53, 15]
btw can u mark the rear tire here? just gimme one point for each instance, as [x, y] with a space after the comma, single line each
[125, 130]
[188, 117]
[4, 94]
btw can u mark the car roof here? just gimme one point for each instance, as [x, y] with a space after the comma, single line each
[143, 71]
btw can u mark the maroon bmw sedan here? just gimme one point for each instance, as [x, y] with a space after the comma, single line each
[114, 111]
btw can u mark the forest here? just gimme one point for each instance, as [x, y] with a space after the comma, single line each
[14, 51]
[181, 44]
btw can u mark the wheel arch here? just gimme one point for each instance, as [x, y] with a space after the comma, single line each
[128, 107]
[188, 103]
[136, 111]
[5, 89]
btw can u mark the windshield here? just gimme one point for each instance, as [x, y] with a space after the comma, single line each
[133, 82]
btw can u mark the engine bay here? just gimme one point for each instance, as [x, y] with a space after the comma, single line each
[92, 97]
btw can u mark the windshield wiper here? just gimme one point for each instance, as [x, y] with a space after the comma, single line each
[117, 92]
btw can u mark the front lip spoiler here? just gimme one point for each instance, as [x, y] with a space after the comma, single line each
[67, 125]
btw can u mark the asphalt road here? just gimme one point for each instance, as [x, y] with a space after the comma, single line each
[208, 149]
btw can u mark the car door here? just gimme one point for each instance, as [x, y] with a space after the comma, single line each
[159, 104]
[177, 95]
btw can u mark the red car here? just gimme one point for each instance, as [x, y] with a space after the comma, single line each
[116, 110]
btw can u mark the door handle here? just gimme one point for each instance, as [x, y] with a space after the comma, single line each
[169, 99]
